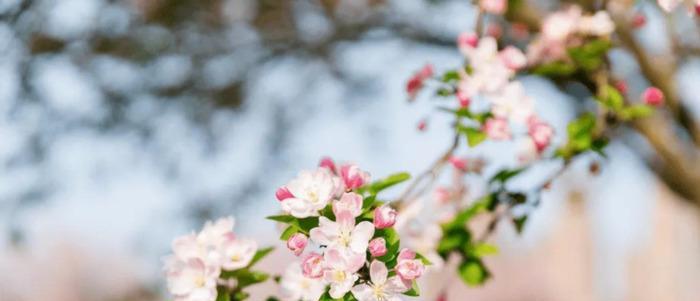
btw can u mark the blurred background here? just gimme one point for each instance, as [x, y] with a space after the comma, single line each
[124, 123]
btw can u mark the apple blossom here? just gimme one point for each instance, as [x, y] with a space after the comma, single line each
[297, 243]
[463, 98]
[343, 233]
[408, 267]
[513, 104]
[237, 253]
[599, 24]
[559, 25]
[513, 58]
[653, 96]
[294, 286]
[540, 132]
[353, 177]
[669, 5]
[497, 7]
[341, 267]
[377, 247]
[191, 280]
[422, 125]
[639, 20]
[497, 129]
[381, 288]
[466, 41]
[384, 217]
[526, 150]
[458, 163]
[350, 202]
[312, 190]
[312, 265]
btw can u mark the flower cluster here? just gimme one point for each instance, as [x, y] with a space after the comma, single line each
[566, 28]
[344, 237]
[211, 261]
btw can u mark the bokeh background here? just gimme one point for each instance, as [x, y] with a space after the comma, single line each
[124, 123]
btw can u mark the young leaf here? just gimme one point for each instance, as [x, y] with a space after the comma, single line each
[474, 136]
[473, 272]
[483, 249]
[505, 175]
[389, 181]
[414, 291]
[287, 233]
[259, 255]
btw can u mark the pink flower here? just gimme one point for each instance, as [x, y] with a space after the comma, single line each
[312, 190]
[350, 202]
[513, 58]
[527, 150]
[653, 96]
[467, 41]
[297, 243]
[295, 286]
[540, 132]
[415, 83]
[458, 163]
[327, 162]
[377, 247]
[496, 7]
[237, 253]
[497, 129]
[384, 217]
[191, 280]
[283, 193]
[409, 268]
[621, 85]
[312, 265]
[442, 195]
[513, 103]
[494, 30]
[353, 177]
[343, 233]
[340, 272]
[381, 288]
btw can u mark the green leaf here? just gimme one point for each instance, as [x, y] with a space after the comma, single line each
[287, 233]
[483, 249]
[247, 277]
[474, 136]
[414, 291]
[611, 98]
[387, 182]
[453, 241]
[636, 111]
[555, 69]
[590, 56]
[423, 259]
[505, 175]
[287, 219]
[464, 216]
[450, 76]
[259, 255]
[519, 223]
[239, 296]
[473, 272]
[222, 294]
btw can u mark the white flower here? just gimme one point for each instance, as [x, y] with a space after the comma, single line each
[312, 190]
[513, 104]
[489, 71]
[381, 288]
[599, 24]
[341, 268]
[669, 5]
[207, 244]
[237, 253]
[190, 280]
[295, 287]
[343, 233]
[559, 25]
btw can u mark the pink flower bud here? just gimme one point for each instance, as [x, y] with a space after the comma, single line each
[406, 254]
[540, 132]
[415, 83]
[312, 265]
[464, 99]
[520, 31]
[493, 29]
[653, 96]
[467, 40]
[442, 195]
[697, 8]
[297, 243]
[377, 247]
[327, 162]
[410, 269]
[384, 217]
[513, 58]
[353, 176]
[458, 163]
[639, 20]
[621, 85]
[422, 125]
[283, 193]
[497, 129]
